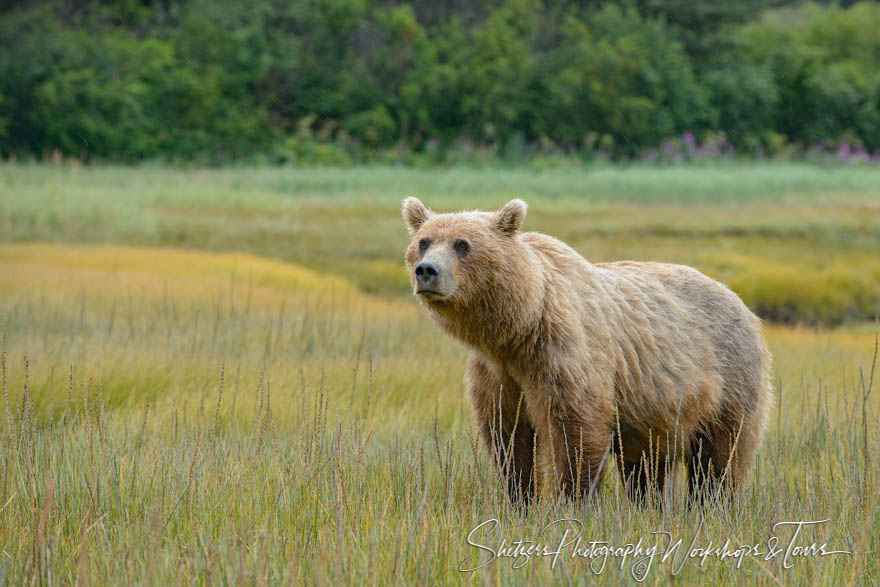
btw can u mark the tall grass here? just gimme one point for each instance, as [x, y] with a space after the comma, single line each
[180, 417]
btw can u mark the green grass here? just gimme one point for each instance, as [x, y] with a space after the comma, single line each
[811, 231]
[176, 413]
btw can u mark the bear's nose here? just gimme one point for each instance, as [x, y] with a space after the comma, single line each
[427, 272]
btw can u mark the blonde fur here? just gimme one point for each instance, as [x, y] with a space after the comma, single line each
[670, 358]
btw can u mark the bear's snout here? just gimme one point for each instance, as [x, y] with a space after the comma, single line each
[426, 273]
[434, 276]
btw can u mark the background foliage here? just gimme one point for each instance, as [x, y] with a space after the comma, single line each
[340, 81]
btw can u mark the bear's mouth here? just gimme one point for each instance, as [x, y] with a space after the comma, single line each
[430, 294]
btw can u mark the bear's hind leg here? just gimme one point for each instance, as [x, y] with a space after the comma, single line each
[703, 469]
[710, 466]
[721, 459]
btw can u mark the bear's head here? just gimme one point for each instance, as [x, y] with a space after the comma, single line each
[458, 259]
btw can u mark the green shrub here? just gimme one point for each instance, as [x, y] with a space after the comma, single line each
[416, 82]
[115, 96]
[620, 76]
[826, 66]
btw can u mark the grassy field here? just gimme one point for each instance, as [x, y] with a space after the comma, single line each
[799, 243]
[217, 377]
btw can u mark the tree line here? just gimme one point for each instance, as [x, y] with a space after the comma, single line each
[347, 80]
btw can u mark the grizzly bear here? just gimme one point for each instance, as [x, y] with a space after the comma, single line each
[574, 363]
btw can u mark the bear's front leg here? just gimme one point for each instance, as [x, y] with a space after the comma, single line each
[579, 450]
[504, 428]
[575, 426]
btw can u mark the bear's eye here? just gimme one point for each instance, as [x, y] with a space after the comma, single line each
[462, 247]
[424, 244]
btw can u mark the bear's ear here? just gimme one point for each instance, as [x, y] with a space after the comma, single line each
[511, 216]
[415, 214]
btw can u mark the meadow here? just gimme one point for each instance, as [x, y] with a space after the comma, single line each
[218, 376]
[798, 242]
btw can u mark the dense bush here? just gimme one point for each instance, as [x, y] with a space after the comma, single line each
[825, 66]
[341, 81]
